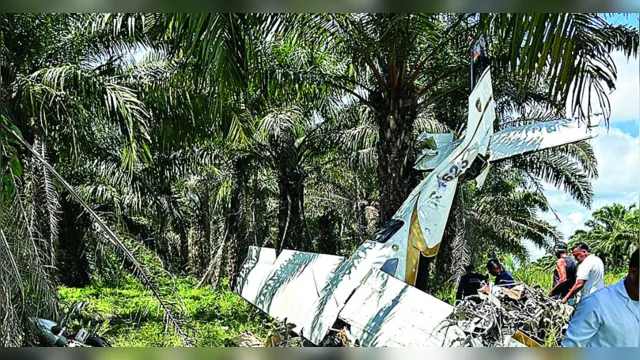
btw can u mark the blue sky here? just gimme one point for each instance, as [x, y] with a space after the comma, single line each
[617, 150]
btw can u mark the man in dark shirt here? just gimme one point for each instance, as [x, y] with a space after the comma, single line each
[470, 283]
[564, 275]
[502, 276]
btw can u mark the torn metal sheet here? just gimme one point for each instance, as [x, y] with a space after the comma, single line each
[290, 285]
[324, 311]
[525, 340]
[306, 289]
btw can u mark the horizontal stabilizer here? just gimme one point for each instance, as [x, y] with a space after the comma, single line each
[439, 139]
[539, 136]
[430, 158]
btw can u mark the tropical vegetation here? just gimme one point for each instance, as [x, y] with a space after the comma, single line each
[142, 154]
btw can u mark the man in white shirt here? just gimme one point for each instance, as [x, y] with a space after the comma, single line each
[610, 317]
[590, 274]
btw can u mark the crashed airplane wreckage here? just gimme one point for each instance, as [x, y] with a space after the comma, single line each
[374, 290]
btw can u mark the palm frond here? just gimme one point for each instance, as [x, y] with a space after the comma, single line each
[70, 93]
[572, 50]
[560, 171]
[138, 270]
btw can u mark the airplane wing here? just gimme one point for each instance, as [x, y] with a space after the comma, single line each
[311, 291]
[306, 289]
[385, 311]
[542, 135]
[285, 286]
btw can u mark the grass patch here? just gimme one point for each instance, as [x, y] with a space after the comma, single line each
[532, 276]
[128, 316]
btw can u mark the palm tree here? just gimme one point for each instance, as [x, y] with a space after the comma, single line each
[402, 65]
[612, 233]
[62, 95]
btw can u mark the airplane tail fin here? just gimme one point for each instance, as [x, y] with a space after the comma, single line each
[481, 106]
[479, 61]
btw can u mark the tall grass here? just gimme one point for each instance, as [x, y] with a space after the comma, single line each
[533, 275]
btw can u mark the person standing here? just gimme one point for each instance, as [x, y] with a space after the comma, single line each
[564, 275]
[590, 274]
[610, 316]
[470, 283]
[503, 277]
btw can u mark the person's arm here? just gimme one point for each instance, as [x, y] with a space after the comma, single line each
[561, 265]
[584, 324]
[574, 290]
[581, 278]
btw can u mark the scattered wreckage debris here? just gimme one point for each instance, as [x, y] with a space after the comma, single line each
[246, 339]
[521, 316]
[280, 335]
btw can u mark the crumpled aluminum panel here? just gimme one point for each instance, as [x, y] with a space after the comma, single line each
[307, 289]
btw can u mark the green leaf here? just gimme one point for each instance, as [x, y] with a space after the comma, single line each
[15, 166]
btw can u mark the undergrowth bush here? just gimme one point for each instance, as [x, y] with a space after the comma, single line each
[534, 275]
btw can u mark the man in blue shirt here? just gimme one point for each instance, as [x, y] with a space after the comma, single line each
[610, 316]
[502, 276]
[470, 283]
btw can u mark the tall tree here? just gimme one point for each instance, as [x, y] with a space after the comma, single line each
[401, 65]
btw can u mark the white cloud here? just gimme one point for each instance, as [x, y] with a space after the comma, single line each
[623, 100]
[618, 156]
[575, 217]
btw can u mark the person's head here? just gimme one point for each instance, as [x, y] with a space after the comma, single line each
[580, 251]
[494, 267]
[560, 249]
[470, 269]
[633, 275]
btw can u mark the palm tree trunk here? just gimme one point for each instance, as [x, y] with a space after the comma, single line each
[184, 248]
[328, 242]
[73, 265]
[290, 234]
[200, 238]
[395, 160]
[238, 245]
